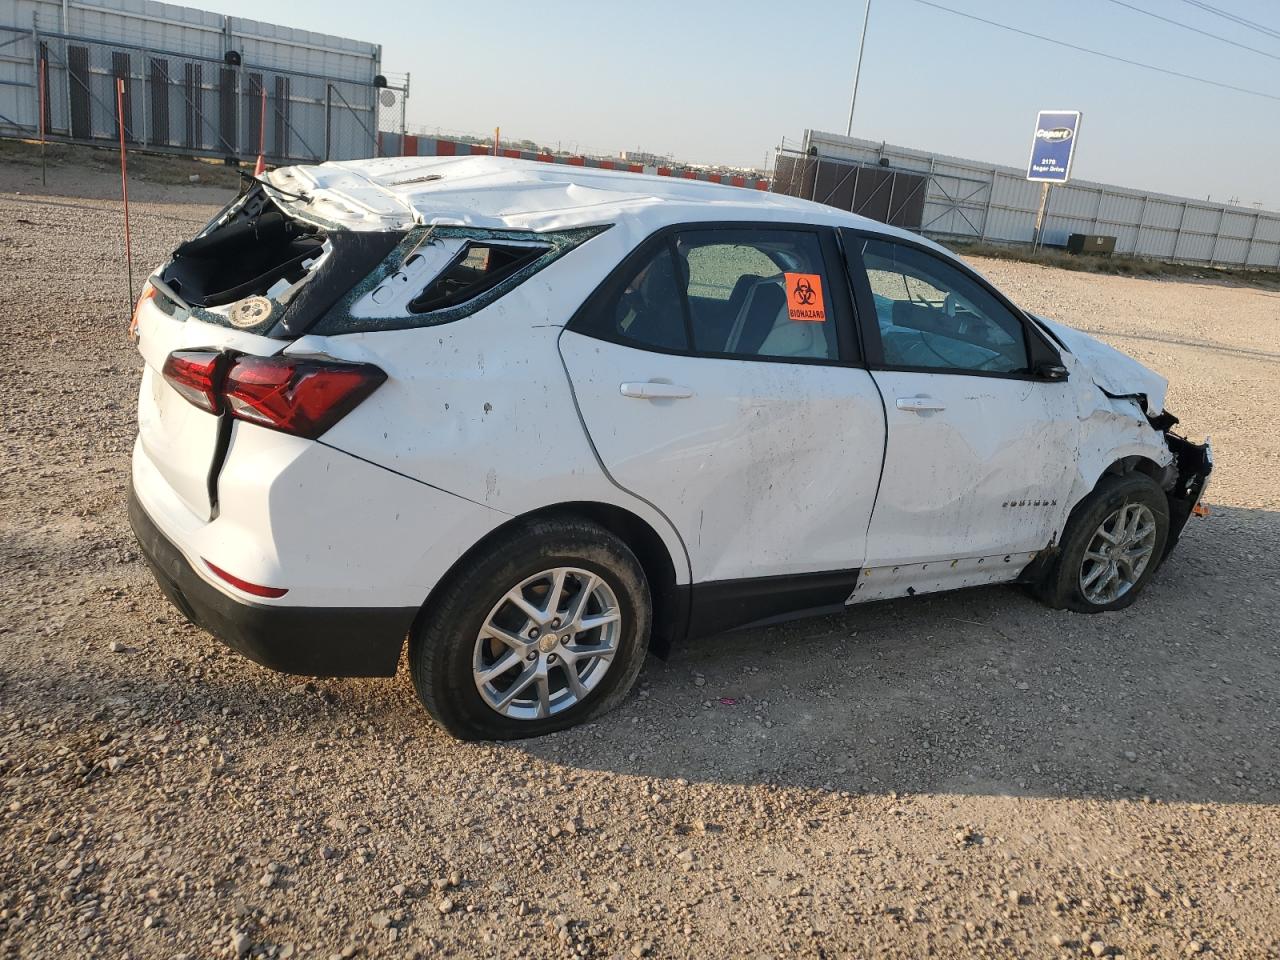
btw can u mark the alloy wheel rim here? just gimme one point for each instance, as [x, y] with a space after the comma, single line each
[547, 643]
[1118, 553]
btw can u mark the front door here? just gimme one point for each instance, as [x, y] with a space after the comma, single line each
[981, 448]
[717, 378]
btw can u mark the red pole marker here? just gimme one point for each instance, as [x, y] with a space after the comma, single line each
[124, 188]
[260, 167]
[44, 66]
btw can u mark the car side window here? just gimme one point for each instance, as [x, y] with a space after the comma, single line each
[649, 308]
[759, 294]
[932, 315]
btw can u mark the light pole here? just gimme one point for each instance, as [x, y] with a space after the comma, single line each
[857, 73]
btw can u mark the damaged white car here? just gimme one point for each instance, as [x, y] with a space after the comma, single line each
[543, 419]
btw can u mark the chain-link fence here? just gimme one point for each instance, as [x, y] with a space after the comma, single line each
[190, 104]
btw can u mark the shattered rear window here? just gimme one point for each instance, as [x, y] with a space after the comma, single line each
[439, 274]
[478, 267]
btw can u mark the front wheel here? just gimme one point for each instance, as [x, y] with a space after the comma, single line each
[1111, 546]
[549, 627]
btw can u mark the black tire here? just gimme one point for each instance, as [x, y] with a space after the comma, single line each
[442, 648]
[1060, 586]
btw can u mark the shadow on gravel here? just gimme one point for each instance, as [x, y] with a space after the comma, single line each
[974, 692]
[985, 691]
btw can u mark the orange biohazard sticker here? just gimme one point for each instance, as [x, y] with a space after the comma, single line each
[804, 297]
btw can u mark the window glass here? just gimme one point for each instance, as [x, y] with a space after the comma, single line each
[649, 309]
[479, 266]
[758, 293]
[933, 315]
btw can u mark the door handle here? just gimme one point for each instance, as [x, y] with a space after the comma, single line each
[920, 404]
[653, 390]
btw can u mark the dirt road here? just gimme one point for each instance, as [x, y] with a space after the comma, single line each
[964, 775]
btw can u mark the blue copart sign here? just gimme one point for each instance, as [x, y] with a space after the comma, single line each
[1054, 145]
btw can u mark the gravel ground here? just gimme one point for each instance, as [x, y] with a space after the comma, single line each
[963, 775]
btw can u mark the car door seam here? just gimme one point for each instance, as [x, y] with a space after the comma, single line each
[884, 459]
[577, 408]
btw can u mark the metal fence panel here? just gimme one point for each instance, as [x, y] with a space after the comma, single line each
[1144, 223]
[1264, 254]
[183, 103]
[199, 33]
[1159, 213]
[17, 79]
[289, 48]
[1268, 230]
[1240, 225]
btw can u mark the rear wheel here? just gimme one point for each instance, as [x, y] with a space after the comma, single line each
[1111, 546]
[548, 628]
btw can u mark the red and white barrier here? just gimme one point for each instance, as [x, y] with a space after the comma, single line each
[392, 144]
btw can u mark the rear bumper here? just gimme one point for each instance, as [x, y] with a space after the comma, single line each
[313, 641]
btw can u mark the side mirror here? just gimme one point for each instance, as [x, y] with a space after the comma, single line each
[1054, 372]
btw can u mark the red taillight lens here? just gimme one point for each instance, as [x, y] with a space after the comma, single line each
[195, 374]
[256, 589]
[302, 397]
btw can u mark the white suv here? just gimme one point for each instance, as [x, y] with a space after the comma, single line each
[541, 419]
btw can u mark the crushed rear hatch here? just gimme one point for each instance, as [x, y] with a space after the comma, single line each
[253, 280]
[315, 251]
[267, 266]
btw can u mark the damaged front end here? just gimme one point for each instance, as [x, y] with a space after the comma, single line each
[1188, 476]
[1123, 380]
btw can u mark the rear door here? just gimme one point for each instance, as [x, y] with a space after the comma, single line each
[981, 442]
[717, 376]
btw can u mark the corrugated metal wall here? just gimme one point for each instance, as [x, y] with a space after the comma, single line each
[982, 201]
[323, 101]
[167, 26]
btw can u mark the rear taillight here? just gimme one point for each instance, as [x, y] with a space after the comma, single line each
[197, 375]
[302, 397]
[297, 396]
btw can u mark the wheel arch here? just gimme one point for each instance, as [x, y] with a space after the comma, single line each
[1146, 454]
[1139, 463]
[670, 596]
[1131, 458]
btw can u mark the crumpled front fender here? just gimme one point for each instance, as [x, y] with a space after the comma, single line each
[1194, 464]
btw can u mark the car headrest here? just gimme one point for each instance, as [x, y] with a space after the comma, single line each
[740, 291]
[766, 301]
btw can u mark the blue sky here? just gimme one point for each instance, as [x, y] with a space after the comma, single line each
[725, 82]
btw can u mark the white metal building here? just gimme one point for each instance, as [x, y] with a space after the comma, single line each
[971, 199]
[194, 79]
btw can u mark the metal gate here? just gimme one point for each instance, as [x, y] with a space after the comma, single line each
[925, 202]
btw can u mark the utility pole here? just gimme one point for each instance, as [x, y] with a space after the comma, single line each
[857, 73]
